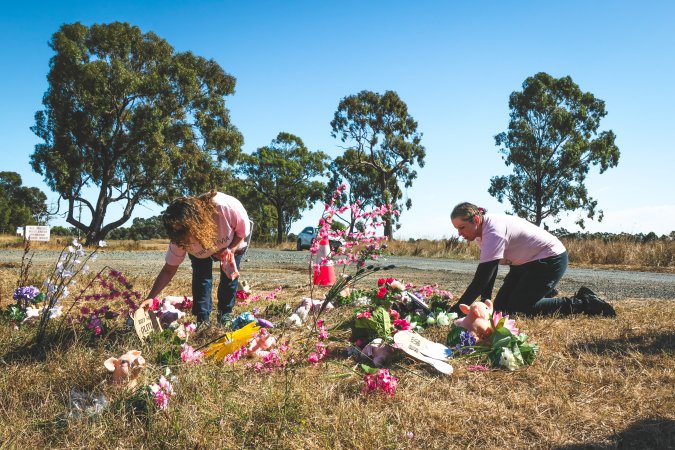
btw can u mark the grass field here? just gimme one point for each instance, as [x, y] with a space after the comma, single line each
[597, 383]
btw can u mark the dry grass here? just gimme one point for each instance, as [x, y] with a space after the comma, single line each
[602, 383]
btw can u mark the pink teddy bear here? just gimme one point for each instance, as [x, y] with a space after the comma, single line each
[126, 368]
[477, 319]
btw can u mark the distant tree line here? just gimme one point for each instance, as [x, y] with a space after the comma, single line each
[641, 238]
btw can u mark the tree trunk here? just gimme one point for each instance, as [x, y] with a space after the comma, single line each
[280, 226]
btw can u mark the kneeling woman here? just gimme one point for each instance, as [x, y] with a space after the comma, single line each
[537, 261]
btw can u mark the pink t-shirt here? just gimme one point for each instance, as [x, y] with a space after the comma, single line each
[515, 241]
[232, 220]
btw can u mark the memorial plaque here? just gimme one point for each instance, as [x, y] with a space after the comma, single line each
[145, 322]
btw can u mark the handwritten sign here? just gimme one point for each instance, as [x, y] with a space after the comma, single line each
[145, 322]
[36, 233]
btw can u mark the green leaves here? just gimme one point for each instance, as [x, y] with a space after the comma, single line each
[127, 114]
[385, 145]
[284, 175]
[551, 146]
[378, 325]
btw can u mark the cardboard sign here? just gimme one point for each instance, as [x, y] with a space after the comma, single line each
[145, 322]
[424, 350]
[36, 233]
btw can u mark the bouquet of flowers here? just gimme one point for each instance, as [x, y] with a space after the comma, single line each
[505, 346]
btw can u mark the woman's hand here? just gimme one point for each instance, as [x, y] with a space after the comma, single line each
[146, 304]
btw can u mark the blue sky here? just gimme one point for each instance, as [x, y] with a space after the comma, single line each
[453, 63]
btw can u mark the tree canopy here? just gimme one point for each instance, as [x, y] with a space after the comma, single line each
[131, 118]
[20, 205]
[552, 142]
[284, 175]
[384, 144]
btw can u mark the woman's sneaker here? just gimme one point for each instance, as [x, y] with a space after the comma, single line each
[594, 305]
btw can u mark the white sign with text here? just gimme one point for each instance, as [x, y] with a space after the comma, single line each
[36, 233]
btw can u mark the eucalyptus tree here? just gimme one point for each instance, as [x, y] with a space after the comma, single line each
[383, 140]
[285, 174]
[551, 143]
[130, 119]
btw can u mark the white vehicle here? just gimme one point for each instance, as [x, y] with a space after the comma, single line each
[308, 234]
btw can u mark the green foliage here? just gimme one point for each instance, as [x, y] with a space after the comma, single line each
[20, 205]
[385, 145]
[551, 143]
[140, 229]
[283, 174]
[377, 326]
[130, 116]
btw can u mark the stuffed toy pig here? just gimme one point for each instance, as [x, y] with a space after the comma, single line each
[477, 319]
[261, 344]
[126, 368]
[378, 351]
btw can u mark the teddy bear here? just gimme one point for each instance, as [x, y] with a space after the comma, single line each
[126, 368]
[477, 319]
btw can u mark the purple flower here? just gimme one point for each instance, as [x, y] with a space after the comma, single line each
[26, 293]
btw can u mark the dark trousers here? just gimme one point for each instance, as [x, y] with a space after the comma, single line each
[202, 281]
[526, 286]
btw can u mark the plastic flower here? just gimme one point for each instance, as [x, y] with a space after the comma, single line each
[402, 324]
[190, 355]
[507, 359]
[509, 324]
[26, 293]
[382, 380]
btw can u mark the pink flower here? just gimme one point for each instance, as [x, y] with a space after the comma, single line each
[402, 324]
[509, 324]
[366, 314]
[190, 355]
[382, 292]
[381, 381]
[394, 314]
[313, 358]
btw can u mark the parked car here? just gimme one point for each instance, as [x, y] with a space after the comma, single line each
[307, 236]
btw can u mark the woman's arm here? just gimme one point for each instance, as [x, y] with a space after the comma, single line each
[482, 284]
[163, 278]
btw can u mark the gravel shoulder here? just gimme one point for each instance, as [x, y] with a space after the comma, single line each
[269, 268]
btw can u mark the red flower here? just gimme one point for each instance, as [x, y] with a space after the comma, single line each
[390, 280]
[382, 292]
[381, 282]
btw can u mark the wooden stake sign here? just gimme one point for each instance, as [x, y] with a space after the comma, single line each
[145, 322]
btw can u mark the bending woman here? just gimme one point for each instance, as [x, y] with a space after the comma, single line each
[537, 261]
[210, 227]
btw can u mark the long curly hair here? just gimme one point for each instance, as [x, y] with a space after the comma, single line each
[191, 217]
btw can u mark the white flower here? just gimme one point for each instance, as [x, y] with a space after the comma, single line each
[102, 243]
[431, 320]
[71, 249]
[362, 301]
[443, 319]
[507, 360]
[75, 242]
[397, 285]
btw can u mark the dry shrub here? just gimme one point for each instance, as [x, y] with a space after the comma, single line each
[658, 254]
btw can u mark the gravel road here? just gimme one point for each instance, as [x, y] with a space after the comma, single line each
[268, 268]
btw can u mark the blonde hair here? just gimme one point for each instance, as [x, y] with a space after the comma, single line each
[191, 217]
[467, 211]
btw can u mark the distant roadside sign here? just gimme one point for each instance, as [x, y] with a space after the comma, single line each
[36, 233]
[19, 231]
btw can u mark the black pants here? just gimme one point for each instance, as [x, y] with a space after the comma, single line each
[526, 286]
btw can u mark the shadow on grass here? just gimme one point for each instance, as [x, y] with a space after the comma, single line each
[646, 344]
[59, 342]
[643, 434]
